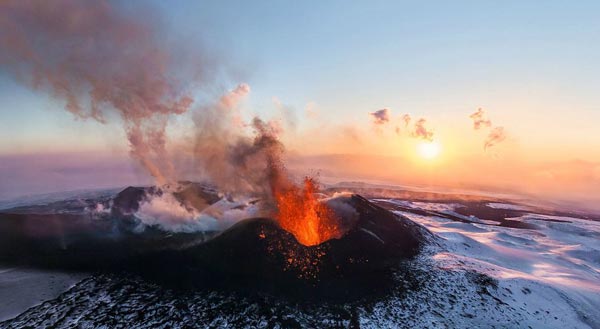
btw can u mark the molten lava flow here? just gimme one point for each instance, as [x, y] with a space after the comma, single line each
[301, 213]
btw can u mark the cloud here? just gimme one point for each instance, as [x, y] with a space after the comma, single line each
[232, 99]
[406, 119]
[351, 133]
[496, 135]
[480, 120]
[311, 110]
[286, 112]
[381, 117]
[420, 131]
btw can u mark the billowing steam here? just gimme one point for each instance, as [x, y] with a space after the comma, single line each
[99, 61]
[495, 135]
[166, 212]
[381, 117]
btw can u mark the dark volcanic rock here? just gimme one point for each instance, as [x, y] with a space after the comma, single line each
[128, 201]
[259, 251]
[197, 196]
[254, 253]
[379, 237]
[190, 194]
[79, 243]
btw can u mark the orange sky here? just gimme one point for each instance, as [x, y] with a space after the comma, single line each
[321, 75]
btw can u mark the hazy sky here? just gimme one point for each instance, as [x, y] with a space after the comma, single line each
[532, 65]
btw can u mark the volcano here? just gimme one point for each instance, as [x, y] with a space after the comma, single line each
[257, 250]
[384, 270]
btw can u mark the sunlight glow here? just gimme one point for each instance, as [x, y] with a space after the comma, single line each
[429, 150]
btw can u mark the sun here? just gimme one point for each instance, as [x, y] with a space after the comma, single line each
[429, 150]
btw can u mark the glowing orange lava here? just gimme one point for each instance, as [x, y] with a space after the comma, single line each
[301, 213]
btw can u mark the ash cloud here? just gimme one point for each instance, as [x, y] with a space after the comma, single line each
[238, 163]
[100, 62]
[104, 63]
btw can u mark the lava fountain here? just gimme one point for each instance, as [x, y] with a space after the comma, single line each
[301, 213]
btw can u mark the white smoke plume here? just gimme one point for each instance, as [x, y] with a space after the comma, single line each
[167, 213]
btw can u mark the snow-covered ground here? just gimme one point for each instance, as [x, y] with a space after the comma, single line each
[554, 266]
[481, 271]
[22, 288]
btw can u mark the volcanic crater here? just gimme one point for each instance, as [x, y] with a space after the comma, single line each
[254, 253]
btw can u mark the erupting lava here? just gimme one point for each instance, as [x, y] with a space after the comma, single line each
[301, 213]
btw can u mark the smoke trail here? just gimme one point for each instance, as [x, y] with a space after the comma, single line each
[479, 119]
[381, 117]
[496, 135]
[99, 61]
